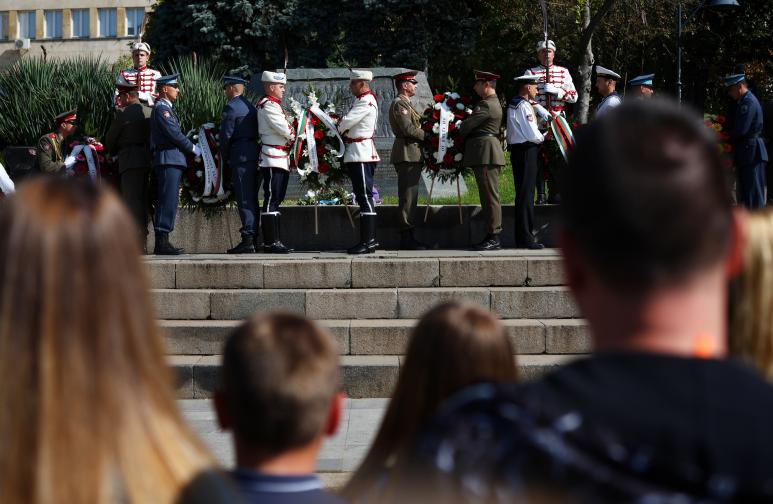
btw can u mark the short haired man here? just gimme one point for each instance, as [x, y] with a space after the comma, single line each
[483, 153]
[140, 74]
[358, 127]
[658, 412]
[128, 137]
[239, 151]
[523, 141]
[280, 398]
[555, 91]
[276, 137]
[749, 149]
[51, 148]
[407, 155]
[641, 86]
[606, 84]
[169, 147]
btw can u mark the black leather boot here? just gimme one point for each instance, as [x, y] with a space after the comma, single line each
[247, 246]
[271, 242]
[408, 242]
[163, 247]
[490, 242]
[368, 242]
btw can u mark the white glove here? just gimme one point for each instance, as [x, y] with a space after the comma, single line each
[541, 111]
[551, 89]
[196, 150]
[69, 161]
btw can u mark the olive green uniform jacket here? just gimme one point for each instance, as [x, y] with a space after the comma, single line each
[50, 157]
[129, 136]
[406, 125]
[486, 119]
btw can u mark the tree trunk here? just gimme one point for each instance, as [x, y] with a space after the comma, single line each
[585, 58]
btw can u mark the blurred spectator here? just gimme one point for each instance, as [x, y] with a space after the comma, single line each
[88, 411]
[453, 346]
[657, 414]
[280, 397]
[751, 301]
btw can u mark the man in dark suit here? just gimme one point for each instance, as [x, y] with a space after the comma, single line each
[483, 152]
[128, 137]
[169, 146]
[239, 149]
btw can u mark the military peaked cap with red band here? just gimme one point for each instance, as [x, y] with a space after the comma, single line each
[406, 76]
[485, 76]
[65, 116]
[124, 85]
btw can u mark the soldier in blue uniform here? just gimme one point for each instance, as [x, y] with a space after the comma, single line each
[239, 149]
[750, 153]
[169, 146]
[640, 87]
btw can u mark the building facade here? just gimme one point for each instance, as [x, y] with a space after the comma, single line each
[69, 28]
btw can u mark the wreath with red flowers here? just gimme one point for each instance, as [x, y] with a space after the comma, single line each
[443, 146]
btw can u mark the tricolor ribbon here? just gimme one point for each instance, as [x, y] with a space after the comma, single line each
[213, 180]
[6, 184]
[562, 132]
[306, 131]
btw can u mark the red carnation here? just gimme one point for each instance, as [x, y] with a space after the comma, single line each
[724, 136]
[333, 116]
[324, 167]
[448, 158]
[721, 119]
[435, 142]
[319, 134]
[427, 126]
[727, 147]
[314, 120]
[438, 98]
[320, 150]
[451, 102]
[451, 126]
[436, 115]
[466, 100]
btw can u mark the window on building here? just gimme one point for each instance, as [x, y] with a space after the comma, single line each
[107, 22]
[4, 26]
[134, 19]
[53, 24]
[80, 23]
[26, 24]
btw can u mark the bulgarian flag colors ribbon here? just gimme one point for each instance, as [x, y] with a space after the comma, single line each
[213, 172]
[306, 132]
[562, 132]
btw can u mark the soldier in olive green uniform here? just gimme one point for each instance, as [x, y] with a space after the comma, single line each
[406, 155]
[50, 155]
[483, 152]
[128, 137]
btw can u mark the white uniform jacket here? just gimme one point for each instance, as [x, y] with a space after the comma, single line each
[561, 79]
[276, 134]
[522, 123]
[611, 101]
[358, 127]
[145, 78]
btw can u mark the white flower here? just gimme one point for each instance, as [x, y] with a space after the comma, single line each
[310, 194]
[436, 128]
[199, 173]
[437, 106]
[438, 157]
[458, 157]
[331, 133]
[449, 143]
[195, 138]
[460, 106]
[468, 111]
[455, 96]
[458, 123]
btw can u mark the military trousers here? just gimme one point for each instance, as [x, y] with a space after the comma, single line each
[246, 183]
[750, 190]
[408, 178]
[523, 157]
[487, 178]
[167, 197]
[274, 188]
[134, 191]
[361, 175]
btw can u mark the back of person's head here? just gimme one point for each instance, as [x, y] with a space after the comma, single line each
[646, 200]
[751, 309]
[279, 381]
[453, 346]
[88, 404]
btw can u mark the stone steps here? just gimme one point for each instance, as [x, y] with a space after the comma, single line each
[363, 376]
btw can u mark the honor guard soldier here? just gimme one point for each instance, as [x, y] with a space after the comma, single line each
[606, 82]
[750, 153]
[239, 150]
[523, 141]
[483, 153]
[276, 136]
[641, 86]
[169, 147]
[128, 137]
[358, 127]
[406, 155]
[50, 152]
[555, 90]
[140, 74]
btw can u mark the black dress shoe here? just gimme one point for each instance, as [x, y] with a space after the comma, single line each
[540, 199]
[535, 246]
[361, 248]
[247, 246]
[277, 248]
[491, 242]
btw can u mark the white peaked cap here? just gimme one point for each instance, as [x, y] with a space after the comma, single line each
[141, 46]
[541, 45]
[365, 75]
[273, 77]
[606, 72]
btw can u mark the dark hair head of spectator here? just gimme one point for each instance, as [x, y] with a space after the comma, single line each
[88, 403]
[646, 200]
[280, 386]
[453, 346]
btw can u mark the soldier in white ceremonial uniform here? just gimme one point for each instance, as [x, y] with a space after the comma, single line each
[555, 89]
[357, 128]
[276, 137]
[523, 141]
[606, 83]
[141, 75]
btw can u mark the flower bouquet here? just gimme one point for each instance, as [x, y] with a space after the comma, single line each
[716, 122]
[443, 146]
[205, 184]
[90, 160]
